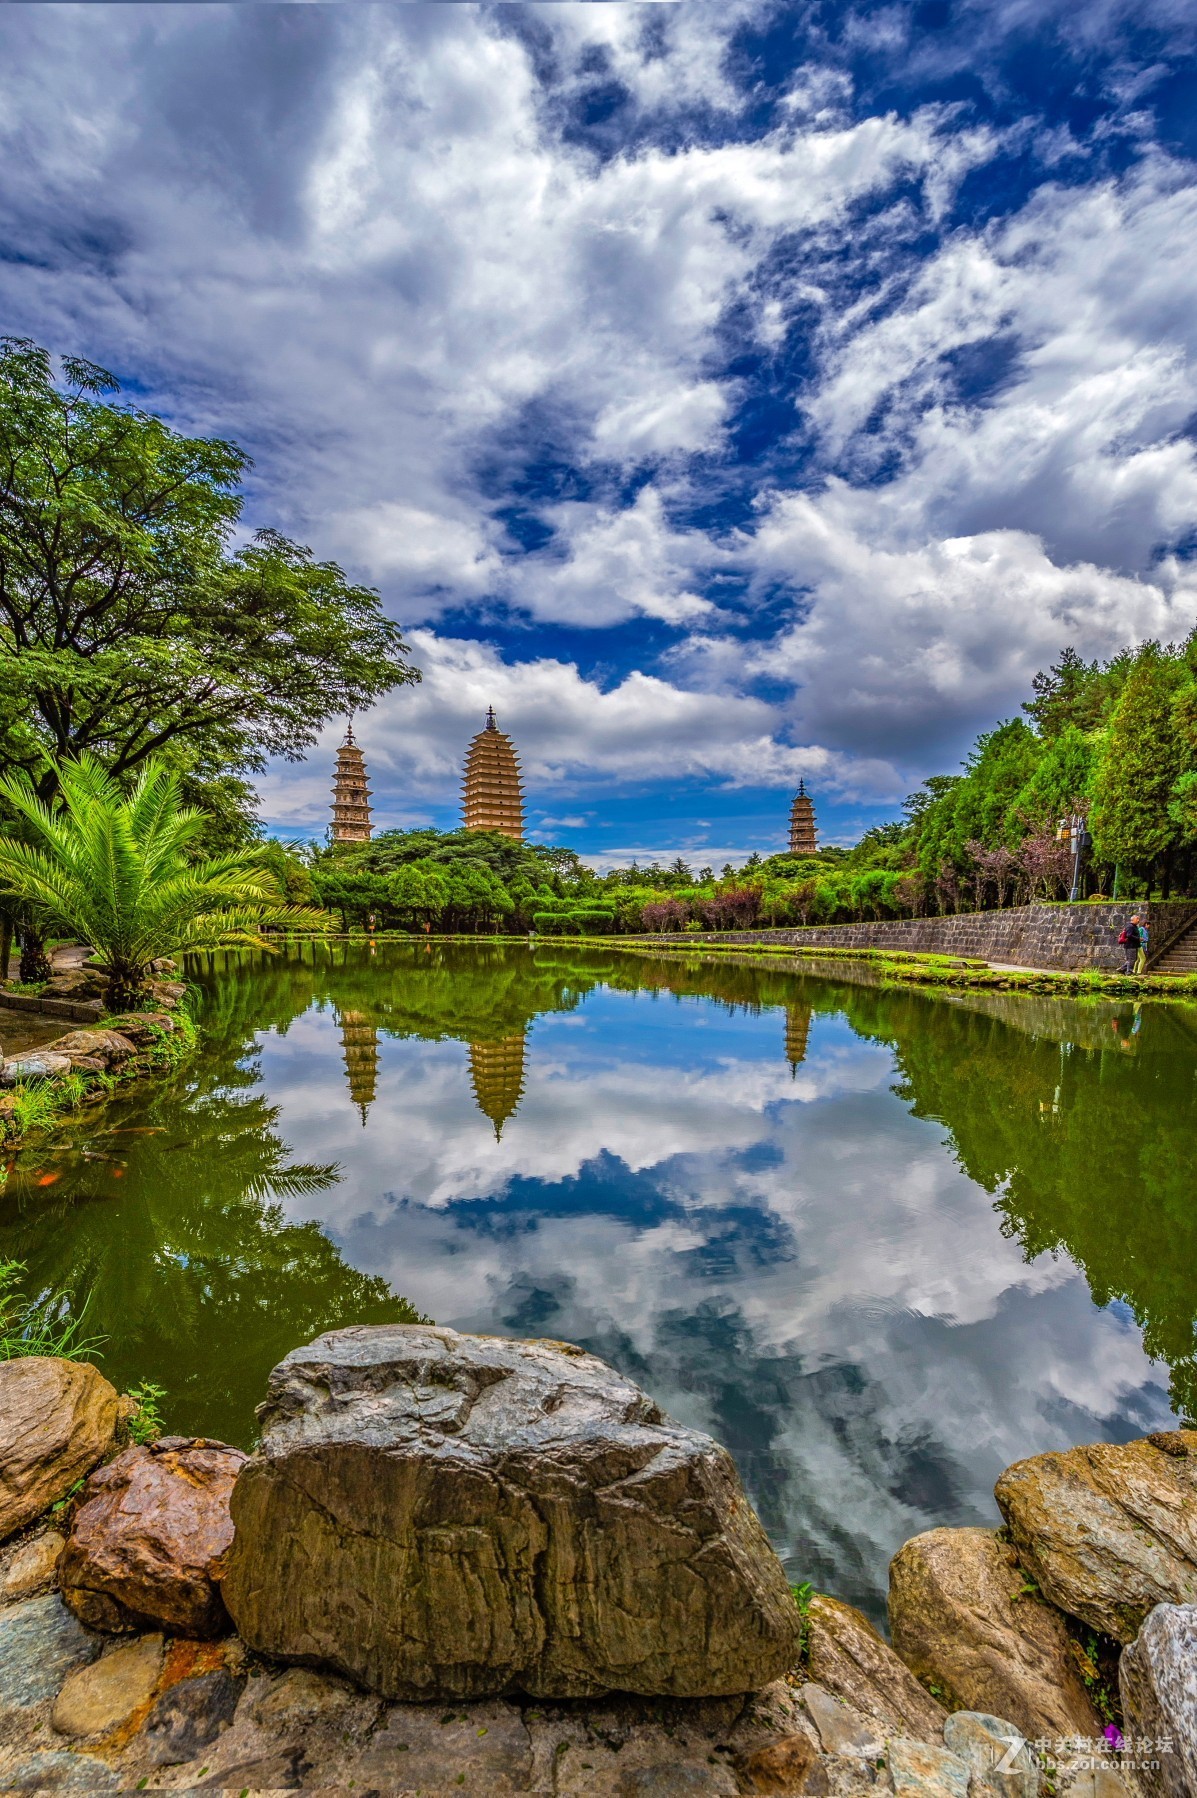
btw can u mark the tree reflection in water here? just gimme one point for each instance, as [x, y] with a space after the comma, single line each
[1075, 1118]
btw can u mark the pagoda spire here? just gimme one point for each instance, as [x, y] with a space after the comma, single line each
[351, 793]
[492, 792]
[803, 837]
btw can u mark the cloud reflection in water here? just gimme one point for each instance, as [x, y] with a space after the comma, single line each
[741, 1212]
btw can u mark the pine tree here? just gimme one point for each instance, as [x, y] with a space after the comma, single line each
[1069, 692]
[1141, 762]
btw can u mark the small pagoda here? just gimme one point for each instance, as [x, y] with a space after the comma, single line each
[351, 795]
[492, 794]
[803, 840]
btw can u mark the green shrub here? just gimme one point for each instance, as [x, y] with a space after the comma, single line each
[145, 1425]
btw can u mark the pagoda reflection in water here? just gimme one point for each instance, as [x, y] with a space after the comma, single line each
[797, 1035]
[359, 1045]
[497, 1076]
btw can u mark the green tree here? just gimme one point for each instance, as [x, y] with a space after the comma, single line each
[112, 868]
[1141, 761]
[419, 891]
[1071, 693]
[1061, 780]
[127, 627]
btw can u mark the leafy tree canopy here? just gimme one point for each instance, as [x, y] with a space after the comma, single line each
[128, 625]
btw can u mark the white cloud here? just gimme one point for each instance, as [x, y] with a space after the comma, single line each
[619, 564]
[910, 645]
[359, 240]
[374, 295]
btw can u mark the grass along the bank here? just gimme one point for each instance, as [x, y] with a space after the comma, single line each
[34, 1106]
[46, 1325]
[905, 968]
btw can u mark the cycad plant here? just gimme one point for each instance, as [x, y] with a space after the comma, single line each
[111, 867]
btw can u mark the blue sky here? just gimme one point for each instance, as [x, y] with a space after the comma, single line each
[727, 393]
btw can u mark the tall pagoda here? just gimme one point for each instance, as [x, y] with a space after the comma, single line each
[803, 840]
[359, 1046]
[492, 796]
[351, 795]
[497, 1076]
[797, 1035]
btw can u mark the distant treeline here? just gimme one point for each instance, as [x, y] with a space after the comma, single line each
[1114, 743]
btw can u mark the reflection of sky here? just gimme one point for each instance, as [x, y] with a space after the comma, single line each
[791, 1262]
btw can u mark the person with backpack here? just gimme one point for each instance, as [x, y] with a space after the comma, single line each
[1129, 944]
[1141, 957]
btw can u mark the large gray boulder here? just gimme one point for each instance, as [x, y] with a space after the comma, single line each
[447, 1516]
[1157, 1678]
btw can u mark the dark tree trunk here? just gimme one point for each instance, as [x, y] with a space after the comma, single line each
[35, 963]
[5, 945]
[127, 989]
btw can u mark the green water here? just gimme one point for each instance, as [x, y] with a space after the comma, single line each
[881, 1244]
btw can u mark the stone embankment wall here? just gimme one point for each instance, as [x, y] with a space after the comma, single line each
[1029, 936]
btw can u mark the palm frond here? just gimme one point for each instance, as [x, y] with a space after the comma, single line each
[111, 867]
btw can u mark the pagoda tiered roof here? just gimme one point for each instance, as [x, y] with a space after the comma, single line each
[803, 837]
[351, 794]
[491, 789]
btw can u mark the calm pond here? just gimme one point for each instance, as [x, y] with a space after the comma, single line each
[880, 1243]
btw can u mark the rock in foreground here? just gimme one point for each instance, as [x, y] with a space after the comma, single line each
[1108, 1530]
[449, 1516]
[57, 1419]
[146, 1541]
[1157, 1676]
[847, 1657]
[964, 1616]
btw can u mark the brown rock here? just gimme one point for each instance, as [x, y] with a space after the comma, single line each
[141, 1027]
[276, 1773]
[842, 1729]
[76, 983]
[147, 1537]
[418, 1748]
[847, 1657]
[922, 1770]
[104, 1047]
[1108, 1530]
[57, 1419]
[961, 1619]
[96, 1699]
[31, 1567]
[539, 1523]
[780, 1767]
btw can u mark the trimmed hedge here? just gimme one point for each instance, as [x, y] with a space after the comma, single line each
[574, 923]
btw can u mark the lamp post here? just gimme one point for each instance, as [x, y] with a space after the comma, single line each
[1072, 830]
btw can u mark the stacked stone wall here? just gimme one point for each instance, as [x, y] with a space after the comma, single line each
[1030, 936]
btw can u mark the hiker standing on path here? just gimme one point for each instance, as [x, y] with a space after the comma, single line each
[1129, 943]
[1141, 957]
